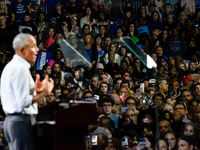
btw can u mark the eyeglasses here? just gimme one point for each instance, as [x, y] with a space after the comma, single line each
[109, 105]
[132, 115]
[130, 104]
[89, 97]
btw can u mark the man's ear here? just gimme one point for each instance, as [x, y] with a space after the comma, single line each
[22, 50]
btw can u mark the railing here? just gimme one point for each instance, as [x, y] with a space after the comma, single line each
[135, 3]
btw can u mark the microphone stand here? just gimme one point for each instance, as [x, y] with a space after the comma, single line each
[157, 135]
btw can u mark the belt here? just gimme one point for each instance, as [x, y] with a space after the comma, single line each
[17, 114]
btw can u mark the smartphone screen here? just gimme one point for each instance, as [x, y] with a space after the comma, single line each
[142, 87]
[121, 97]
[94, 139]
[125, 141]
[123, 109]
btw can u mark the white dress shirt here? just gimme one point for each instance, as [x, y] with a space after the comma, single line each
[18, 87]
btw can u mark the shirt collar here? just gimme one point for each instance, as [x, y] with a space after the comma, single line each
[22, 60]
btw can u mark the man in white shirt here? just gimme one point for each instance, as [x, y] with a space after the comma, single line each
[19, 94]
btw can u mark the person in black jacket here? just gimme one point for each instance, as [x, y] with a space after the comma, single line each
[111, 67]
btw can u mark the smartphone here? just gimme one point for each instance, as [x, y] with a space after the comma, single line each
[40, 45]
[123, 109]
[141, 140]
[122, 97]
[145, 120]
[149, 101]
[76, 73]
[197, 61]
[125, 141]
[62, 59]
[173, 93]
[129, 54]
[170, 102]
[94, 139]
[138, 91]
[96, 97]
[142, 87]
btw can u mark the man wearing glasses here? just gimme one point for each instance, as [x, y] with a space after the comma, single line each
[107, 106]
[180, 106]
[50, 98]
[131, 116]
[130, 102]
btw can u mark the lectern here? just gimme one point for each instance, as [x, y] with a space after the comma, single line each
[64, 129]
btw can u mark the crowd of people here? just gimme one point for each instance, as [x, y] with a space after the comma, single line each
[125, 91]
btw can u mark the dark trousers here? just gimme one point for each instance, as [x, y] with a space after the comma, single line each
[19, 132]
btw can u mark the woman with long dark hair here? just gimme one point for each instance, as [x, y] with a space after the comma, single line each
[97, 50]
[161, 41]
[49, 37]
[155, 21]
[42, 25]
[88, 19]
[132, 31]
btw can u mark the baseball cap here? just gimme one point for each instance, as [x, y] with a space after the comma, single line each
[187, 78]
[73, 18]
[100, 130]
[152, 81]
[152, 4]
[99, 66]
[71, 33]
[188, 139]
[53, 19]
[100, 4]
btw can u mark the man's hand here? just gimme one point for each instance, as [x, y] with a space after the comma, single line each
[49, 84]
[39, 85]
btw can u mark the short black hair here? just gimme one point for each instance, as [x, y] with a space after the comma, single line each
[88, 92]
[27, 14]
[159, 82]
[194, 85]
[107, 100]
[154, 29]
[3, 14]
[129, 97]
[158, 94]
[125, 82]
